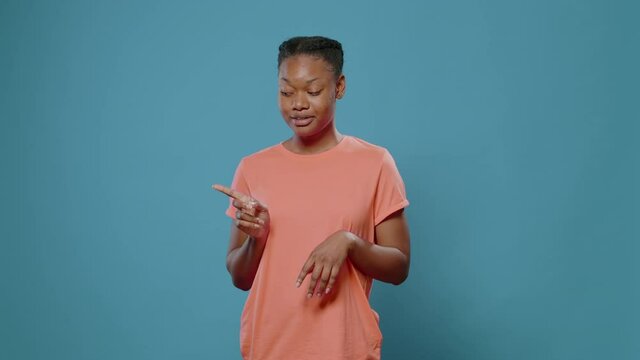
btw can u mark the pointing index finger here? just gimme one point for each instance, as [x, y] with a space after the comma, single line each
[230, 192]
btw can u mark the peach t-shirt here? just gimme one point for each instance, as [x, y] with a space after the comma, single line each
[353, 186]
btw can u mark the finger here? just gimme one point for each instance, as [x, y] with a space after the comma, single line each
[241, 205]
[332, 278]
[246, 226]
[324, 277]
[230, 192]
[250, 206]
[313, 280]
[259, 206]
[306, 268]
[240, 215]
[254, 206]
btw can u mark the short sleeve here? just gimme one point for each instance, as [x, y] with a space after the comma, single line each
[390, 191]
[240, 184]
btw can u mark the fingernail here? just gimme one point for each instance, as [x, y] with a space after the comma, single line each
[319, 294]
[327, 290]
[298, 283]
[309, 295]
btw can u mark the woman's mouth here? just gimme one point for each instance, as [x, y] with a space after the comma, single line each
[302, 121]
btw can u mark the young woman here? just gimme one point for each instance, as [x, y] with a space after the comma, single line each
[315, 219]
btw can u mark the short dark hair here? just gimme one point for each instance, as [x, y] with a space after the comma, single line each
[327, 49]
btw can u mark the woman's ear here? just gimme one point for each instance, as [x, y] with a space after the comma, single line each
[341, 86]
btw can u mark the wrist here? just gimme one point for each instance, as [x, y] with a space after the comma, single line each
[351, 239]
[260, 239]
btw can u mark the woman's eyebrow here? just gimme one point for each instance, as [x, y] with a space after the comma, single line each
[308, 81]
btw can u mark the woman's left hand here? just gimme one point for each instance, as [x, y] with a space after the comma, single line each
[324, 263]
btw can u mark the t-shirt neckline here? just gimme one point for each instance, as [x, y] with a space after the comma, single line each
[315, 155]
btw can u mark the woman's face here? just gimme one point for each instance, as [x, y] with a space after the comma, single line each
[308, 93]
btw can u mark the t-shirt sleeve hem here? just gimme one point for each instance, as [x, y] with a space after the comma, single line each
[390, 210]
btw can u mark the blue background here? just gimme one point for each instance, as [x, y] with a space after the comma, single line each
[514, 125]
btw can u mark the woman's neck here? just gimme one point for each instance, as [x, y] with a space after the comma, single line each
[314, 145]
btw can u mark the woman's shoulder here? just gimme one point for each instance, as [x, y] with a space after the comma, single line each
[365, 148]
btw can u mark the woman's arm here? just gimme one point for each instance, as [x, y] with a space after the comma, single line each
[249, 232]
[243, 257]
[387, 260]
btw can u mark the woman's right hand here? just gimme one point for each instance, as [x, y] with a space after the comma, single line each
[252, 217]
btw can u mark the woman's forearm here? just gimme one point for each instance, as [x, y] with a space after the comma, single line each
[243, 261]
[383, 263]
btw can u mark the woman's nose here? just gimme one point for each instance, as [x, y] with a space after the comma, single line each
[300, 102]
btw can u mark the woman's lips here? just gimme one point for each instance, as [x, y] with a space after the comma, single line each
[302, 120]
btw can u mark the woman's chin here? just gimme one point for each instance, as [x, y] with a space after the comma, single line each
[303, 132]
[311, 131]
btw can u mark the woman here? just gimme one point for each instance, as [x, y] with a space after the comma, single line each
[316, 219]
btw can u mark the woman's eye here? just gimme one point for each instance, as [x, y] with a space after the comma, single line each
[285, 93]
[314, 93]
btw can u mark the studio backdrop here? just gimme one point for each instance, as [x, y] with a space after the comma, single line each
[513, 123]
